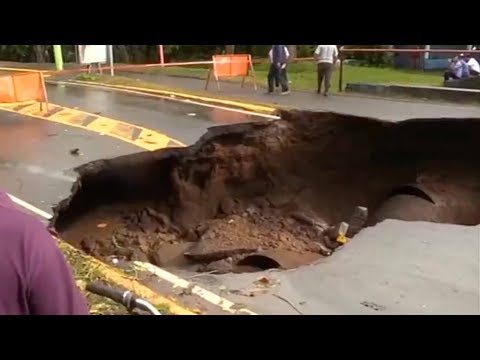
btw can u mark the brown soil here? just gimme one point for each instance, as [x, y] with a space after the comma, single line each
[244, 189]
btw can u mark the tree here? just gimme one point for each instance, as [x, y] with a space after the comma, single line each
[230, 49]
[39, 51]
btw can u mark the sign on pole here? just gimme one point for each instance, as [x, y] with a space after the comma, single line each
[92, 54]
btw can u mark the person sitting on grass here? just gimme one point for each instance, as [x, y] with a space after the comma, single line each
[473, 65]
[35, 278]
[457, 69]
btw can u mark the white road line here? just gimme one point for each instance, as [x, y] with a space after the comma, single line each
[166, 97]
[176, 281]
[30, 207]
[224, 304]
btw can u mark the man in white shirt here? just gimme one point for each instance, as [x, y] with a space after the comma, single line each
[326, 57]
[472, 65]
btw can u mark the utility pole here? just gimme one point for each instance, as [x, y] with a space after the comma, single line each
[57, 52]
[110, 56]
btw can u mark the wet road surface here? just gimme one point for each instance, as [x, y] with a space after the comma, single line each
[181, 121]
[35, 160]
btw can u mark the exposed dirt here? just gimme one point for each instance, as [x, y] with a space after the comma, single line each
[258, 195]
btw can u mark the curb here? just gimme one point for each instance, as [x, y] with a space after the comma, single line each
[267, 110]
[121, 279]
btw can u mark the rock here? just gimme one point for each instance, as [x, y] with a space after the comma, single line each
[280, 199]
[88, 245]
[204, 252]
[162, 219]
[139, 255]
[143, 243]
[319, 248]
[171, 254]
[146, 223]
[190, 235]
[227, 205]
[220, 266]
[357, 221]
[201, 229]
[252, 211]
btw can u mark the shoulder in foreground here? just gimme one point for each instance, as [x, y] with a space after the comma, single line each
[14, 221]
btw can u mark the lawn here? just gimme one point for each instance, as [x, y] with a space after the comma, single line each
[303, 75]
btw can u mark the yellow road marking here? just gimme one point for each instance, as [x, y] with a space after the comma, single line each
[239, 104]
[148, 139]
[120, 278]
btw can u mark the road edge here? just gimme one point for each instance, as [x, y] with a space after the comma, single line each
[232, 104]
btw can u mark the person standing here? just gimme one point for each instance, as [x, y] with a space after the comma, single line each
[35, 278]
[278, 55]
[326, 57]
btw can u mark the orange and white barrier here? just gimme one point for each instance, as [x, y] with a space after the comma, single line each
[229, 66]
[23, 87]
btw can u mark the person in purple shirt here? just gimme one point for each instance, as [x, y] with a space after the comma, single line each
[35, 278]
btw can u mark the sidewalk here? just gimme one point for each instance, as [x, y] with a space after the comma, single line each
[393, 110]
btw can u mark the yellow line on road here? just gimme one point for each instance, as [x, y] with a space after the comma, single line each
[133, 134]
[260, 109]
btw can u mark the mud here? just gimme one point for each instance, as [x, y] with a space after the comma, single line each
[246, 190]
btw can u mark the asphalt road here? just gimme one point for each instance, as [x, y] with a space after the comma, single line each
[179, 120]
[394, 268]
[35, 160]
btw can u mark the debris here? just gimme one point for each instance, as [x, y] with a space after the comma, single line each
[75, 152]
[266, 282]
[289, 303]
[373, 306]
[192, 114]
[220, 267]
[102, 225]
[357, 221]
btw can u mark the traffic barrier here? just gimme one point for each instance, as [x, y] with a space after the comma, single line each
[23, 87]
[229, 66]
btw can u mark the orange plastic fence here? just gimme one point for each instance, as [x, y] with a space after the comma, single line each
[229, 66]
[23, 87]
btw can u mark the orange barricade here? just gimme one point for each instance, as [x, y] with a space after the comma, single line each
[23, 87]
[229, 66]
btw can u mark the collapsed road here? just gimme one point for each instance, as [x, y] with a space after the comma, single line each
[235, 200]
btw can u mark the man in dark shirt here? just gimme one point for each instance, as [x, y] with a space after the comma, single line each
[35, 278]
[278, 68]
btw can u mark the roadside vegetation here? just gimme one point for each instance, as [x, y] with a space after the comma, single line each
[302, 75]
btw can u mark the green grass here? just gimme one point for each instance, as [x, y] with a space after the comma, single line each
[304, 77]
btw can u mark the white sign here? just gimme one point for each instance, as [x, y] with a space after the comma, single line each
[92, 54]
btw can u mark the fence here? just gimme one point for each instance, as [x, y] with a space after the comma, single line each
[23, 87]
